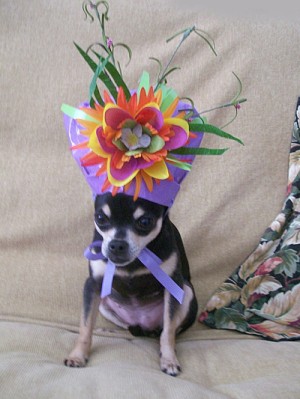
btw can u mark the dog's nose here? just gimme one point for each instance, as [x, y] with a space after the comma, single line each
[118, 247]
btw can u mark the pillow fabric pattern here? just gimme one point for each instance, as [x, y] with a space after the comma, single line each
[262, 297]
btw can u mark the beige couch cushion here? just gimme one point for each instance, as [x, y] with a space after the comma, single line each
[122, 368]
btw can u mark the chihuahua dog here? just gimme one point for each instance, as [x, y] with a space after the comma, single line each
[137, 302]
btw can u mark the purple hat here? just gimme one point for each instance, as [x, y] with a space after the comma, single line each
[139, 142]
[134, 146]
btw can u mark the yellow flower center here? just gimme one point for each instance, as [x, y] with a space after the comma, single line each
[132, 140]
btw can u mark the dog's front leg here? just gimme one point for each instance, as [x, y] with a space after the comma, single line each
[168, 360]
[174, 315]
[91, 300]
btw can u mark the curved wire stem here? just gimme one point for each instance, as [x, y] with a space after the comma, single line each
[185, 34]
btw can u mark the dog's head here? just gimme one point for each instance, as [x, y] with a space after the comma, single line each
[126, 226]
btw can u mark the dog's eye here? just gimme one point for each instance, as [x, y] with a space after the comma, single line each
[145, 222]
[102, 219]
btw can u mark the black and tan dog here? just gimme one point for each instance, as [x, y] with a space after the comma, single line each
[138, 302]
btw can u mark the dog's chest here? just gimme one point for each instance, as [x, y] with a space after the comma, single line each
[127, 283]
[147, 315]
[141, 285]
[137, 299]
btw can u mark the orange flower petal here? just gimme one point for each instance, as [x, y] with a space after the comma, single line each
[107, 98]
[138, 183]
[91, 159]
[148, 180]
[171, 109]
[121, 100]
[132, 105]
[79, 146]
[89, 127]
[102, 169]
[106, 186]
[115, 191]
[158, 97]
[96, 114]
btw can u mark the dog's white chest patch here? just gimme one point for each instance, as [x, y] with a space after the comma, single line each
[147, 316]
[98, 268]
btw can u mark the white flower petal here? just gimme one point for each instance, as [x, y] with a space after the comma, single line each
[144, 141]
[138, 130]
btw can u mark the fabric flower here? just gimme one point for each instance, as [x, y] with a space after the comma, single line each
[130, 139]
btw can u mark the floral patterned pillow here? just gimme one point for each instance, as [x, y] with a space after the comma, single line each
[262, 296]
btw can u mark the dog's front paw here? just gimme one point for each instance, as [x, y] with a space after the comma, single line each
[75, 361]
[170, 366]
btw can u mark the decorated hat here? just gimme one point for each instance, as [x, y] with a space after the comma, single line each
[139, 141]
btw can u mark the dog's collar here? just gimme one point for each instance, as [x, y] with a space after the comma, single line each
[148, 259]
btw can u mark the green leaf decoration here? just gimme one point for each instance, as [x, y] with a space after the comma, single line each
[103, 77]
[99, 70]
[98, 98]
[168, 96]
[76, 113]
[199, 151]
[112, 70]
[130, 123]
[93, 102]
[144, 83]
[120, 145]
[157, 143]
[134, 152]
[200, 120]
[179, 164]
[206, 128]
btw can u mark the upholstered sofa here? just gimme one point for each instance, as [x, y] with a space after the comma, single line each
[223, 208]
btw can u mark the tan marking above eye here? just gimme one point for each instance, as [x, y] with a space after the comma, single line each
[106, 211]
[138, 213]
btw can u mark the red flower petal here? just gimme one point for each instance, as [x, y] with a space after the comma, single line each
[110, 149]
[150, 115]
[114, 116]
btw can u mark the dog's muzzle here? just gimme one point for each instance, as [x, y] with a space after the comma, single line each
[118, 251]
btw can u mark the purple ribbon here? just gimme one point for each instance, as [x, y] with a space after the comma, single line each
[148, 258]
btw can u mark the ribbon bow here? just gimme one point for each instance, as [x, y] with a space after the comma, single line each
[148, 258]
